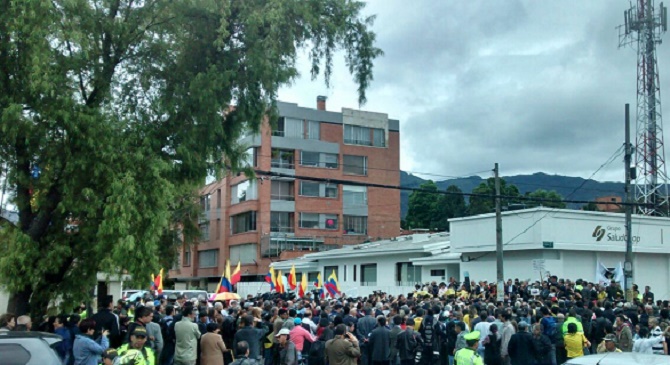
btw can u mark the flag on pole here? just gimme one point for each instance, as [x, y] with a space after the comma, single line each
[318, 284]
[280, 284]
[237, 274]
[224, 284]
[292, 278]
[158, 283]
[303, 286]
[270, 278]
[332, 286]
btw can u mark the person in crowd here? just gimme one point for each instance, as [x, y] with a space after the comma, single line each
[86, 350]
[575, 342]
[408, 343]
[242, 355]
[521, 347]
[212, 347]
[64, 347]
[363, 330]
[468, 355]
[23, 324]
[110, 357]
[507, 332]
[105, 319]
[136, 351]
[660, 347]
[609, 344]
[492, 344]
[380, 343]
[543, 348]
[624, 335]
[251, 332]
[7, 322]
[287, 351]
[186, 335]
[300, 336]
[343, 349]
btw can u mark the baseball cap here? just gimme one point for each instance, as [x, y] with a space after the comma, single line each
[109, 354]
[139, 331]
[474, 335]
[297, 321]
[610, 338]
[283, 331]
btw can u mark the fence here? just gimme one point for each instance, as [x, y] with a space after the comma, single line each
[350, 289]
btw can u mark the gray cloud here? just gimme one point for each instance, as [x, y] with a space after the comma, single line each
[533, 85]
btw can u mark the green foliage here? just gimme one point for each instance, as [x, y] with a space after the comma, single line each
[591, 207]
[423, 207]
[451, 205]
[486, 202]
[125, 108]
[550, 199]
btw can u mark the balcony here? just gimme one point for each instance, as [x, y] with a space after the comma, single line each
[276, 243]
[282, 197]
[360, 142]
[280, 229]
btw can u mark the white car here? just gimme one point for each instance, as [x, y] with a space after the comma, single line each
[620, 358]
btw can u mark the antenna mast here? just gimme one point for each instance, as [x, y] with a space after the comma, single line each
[642, 29]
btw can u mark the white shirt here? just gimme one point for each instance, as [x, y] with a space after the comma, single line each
[484, 329]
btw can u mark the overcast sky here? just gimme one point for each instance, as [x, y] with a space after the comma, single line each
[532, 85]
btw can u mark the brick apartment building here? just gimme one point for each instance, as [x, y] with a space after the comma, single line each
[266, 219]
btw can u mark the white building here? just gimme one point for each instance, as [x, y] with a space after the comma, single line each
[569, 242]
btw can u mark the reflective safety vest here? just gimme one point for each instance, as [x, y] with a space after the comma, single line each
[467, 356]
[146, 356]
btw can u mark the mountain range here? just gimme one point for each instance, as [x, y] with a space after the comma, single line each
[570, 188]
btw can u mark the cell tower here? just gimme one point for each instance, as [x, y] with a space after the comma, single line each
[642, 28]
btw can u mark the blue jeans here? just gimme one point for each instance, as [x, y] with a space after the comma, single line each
[451, 360]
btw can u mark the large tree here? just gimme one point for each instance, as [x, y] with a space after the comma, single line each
[545, 198]
[484, 199]
[112, 112]
[450, 205]
[423, 209]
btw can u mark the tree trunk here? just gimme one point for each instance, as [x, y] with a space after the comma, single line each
[19, 302]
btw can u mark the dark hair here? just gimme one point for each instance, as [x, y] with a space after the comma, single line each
[572, 328]
[340, 329]
[169, 310]
[337, 320]
[324, 322]
[545, 311]
[86, 324]
[211, 327]
[6, 318]
[282, 311]
[248, 320]
[419, 312]
[143, 312]
[187, 311]
[644, 332]
[381, 321]
[292, 312]
[460, 325]
[507, 315]
[493, 328]
[242, 348]
[397, 320]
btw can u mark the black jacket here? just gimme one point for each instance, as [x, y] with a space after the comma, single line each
[542, 346]
[521, 349]
[253, 337]
[107, 320]
[364, 327]
[380, 344]
[408, 343]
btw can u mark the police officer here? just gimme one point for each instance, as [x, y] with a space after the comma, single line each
[468, 355]
[135, 352]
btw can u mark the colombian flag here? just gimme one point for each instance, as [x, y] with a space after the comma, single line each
[224, 284]
[292, 278]
[237, 274]
[158, 283]
[332, 286]
[319, 285]
[270, 278]
[280, 284]
[302, 289]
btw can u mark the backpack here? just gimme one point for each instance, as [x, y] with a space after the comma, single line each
[549, 328]
[317, 353]
[167, 329]
[427, 331]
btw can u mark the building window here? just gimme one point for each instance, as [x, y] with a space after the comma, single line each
[243, 222]
[289, 127]
[208, 258]
[246, 253]
[246, 190]
[407, 274]
[369, 275]
[250, 157]
[282, 222]
[204, 231]
[355, 224]
[354, 134]
[312, 277]
[218, 198]
[187, 256]
[345, 272]
[318, 190]
[283, 159]
[438, 272]
[378, 137]
[327, 270]
[354, 195]
[282, 190]
[355, 165]
[313, 129]
[318, 221]
[218, 229]
[204, 202]
[318, 159]
[354, 273]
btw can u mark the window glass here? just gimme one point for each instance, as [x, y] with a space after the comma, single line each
[378, 139]
[355, 165]
[243, 222]
[246, 190]
[208, 258]
[204, 231]
[331, 190]
[281, 222]
[246, 253]
[309, 158]
[309, 220]
[282, 190]
[313, 129]
[354, 195]
[355, 224]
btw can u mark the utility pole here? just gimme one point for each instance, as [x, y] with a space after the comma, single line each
[499, 244]
[628, 262]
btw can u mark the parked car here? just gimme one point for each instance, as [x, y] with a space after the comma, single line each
[29, 348]
[620, 358]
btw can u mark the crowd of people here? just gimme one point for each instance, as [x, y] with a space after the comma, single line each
[447, 323]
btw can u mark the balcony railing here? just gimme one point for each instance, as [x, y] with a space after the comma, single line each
[368, 283]
[288, 198]
[282, 164]
[359, 142]
[281, 229]
[273, 246]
